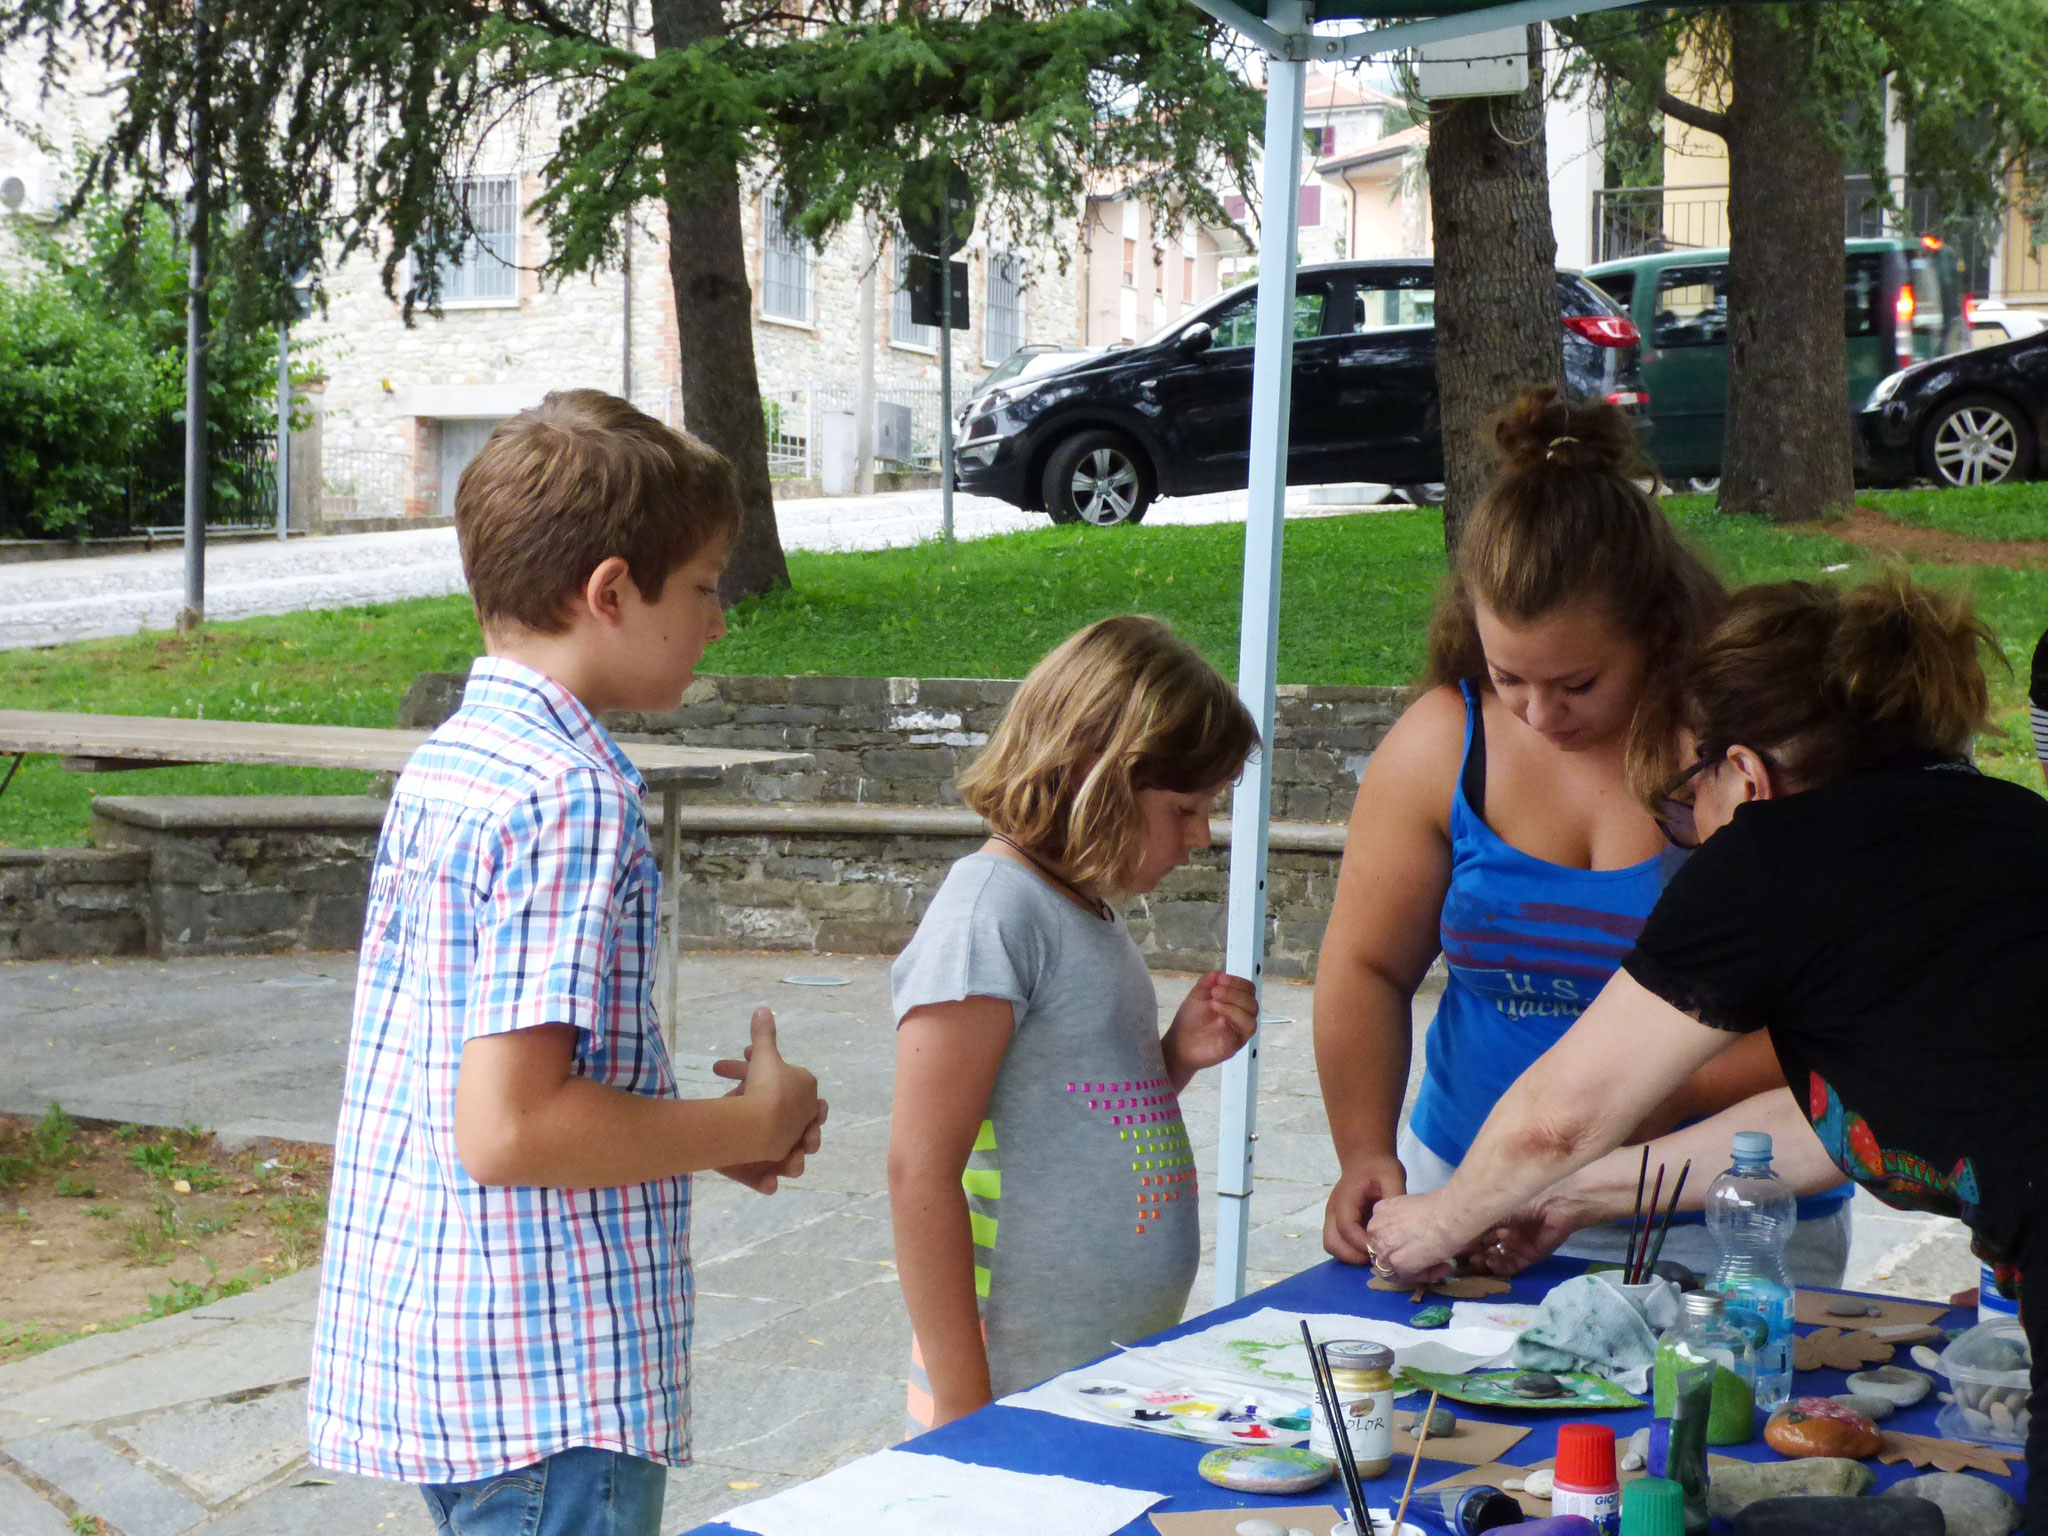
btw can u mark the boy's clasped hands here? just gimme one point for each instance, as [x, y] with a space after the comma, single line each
[786, 1095]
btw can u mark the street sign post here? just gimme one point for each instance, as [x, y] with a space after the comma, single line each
[936, 206]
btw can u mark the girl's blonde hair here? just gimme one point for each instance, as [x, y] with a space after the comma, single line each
[1122, 706]
[1826, 683]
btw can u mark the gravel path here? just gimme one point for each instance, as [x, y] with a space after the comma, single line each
[49, 602]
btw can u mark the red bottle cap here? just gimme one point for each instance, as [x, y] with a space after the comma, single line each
[1585, 1457]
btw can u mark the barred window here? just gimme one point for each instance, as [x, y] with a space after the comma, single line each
[901, 327]
[487, 267]
[1004, 329]
[788, 264]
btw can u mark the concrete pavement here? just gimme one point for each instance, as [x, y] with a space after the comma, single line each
[48, 602]
[195, 1423]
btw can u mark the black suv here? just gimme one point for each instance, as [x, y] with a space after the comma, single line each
[1097, 442]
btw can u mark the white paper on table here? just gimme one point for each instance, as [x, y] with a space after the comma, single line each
[1264, 1348]
[1134, 1368]
[908, 1493]
[1514, 1316]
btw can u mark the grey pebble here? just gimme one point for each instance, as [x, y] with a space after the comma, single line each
[1875, 1409]
[1853, 1306]
[1442, 1425]
[1895, 1384]
[1969, 1505]
[1536, 1384]
[1925, 1357]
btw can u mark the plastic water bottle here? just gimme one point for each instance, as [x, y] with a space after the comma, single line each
[1751, 1212]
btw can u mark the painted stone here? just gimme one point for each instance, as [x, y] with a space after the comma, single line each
[1734, 1486]
[1265, 1469]
[1431, 1317]
[1839, 1517]
[1442, 1424]
[1819, 1426]
[1971, 1506]
[1536, 1384]
[1875, 1409]
[1894, 1383]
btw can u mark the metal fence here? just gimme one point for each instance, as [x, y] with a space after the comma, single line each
[362, 482]
[242, 492]
[1641, 221]
[793, 418]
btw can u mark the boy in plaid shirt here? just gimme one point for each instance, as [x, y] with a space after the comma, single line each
[505, 1307]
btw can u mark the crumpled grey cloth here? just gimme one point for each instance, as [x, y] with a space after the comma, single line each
[1600, 1327]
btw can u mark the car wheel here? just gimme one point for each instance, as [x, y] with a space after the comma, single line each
[1097, 477]
[1977, 440]
[1428, 493]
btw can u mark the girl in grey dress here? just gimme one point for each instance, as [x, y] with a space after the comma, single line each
[1040, 1178]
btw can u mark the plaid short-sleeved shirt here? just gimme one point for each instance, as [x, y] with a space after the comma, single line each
[463, 1330]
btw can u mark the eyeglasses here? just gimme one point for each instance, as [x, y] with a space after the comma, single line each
[1674, 811]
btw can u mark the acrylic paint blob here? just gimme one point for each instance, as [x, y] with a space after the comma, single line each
[1217, 1414]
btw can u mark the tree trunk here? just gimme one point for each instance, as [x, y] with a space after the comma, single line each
[1497, 325]
[1786, 451]
[707, 262]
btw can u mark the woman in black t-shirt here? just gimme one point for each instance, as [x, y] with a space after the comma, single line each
[1861, 893]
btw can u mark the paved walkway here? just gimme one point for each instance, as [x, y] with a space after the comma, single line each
[195, 1423]
[51, 601]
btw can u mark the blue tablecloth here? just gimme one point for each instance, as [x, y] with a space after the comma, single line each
[1024, 1440]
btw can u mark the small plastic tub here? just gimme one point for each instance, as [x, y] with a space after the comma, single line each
[1990, 1371]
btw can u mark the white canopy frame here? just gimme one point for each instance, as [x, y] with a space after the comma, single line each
[1285, 35]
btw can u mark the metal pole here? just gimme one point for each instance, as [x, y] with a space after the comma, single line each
[864, 387]
[946, 398]
[1266, 497]
[284, 430]
[193, 614]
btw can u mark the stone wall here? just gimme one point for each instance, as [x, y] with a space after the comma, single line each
[56, 903]
[902, 740]
[245, 874]
[855, 880]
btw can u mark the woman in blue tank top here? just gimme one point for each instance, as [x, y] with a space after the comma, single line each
[1494, 826]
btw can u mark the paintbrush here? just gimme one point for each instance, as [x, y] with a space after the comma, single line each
[1628, 1257]
[1340, 1435]
[1656, 1199]
[1401, 1514]
[1664, 1231]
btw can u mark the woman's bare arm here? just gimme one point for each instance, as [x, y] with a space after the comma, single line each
[1378, 947]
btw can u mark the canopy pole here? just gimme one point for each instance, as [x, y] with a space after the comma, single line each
[1258, 635]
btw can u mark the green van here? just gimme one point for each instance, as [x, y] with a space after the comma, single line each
[1903, 300]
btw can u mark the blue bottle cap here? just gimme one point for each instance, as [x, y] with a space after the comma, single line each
[1752, 1146]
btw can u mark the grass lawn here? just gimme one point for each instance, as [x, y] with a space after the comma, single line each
[1356, 597]
[1990, 512]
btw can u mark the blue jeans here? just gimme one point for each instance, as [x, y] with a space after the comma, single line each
[581, 1492]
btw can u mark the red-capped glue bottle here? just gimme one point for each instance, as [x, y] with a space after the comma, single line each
[1587, 1483]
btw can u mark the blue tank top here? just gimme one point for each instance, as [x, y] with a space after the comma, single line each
[1528, 945]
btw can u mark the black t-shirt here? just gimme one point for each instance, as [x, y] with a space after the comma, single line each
[1891, 932]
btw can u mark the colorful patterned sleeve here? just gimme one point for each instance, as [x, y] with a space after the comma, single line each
[548, 920]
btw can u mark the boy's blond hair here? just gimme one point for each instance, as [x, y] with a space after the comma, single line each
[1124, 705]
[561, 488]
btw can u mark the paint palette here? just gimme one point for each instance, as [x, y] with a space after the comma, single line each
[1213, 1413]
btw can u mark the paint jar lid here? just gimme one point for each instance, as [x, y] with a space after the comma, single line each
[1653, 1506]
[1358, 1355]
[1585, 1456]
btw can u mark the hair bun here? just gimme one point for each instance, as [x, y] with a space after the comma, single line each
[1544, 431]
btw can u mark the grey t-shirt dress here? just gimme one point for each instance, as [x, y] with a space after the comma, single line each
[1081, 1186]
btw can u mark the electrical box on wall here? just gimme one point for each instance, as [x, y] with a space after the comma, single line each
[1484, 64]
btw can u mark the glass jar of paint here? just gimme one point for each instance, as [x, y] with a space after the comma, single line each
[1363, 1374]
[1703, 1335]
